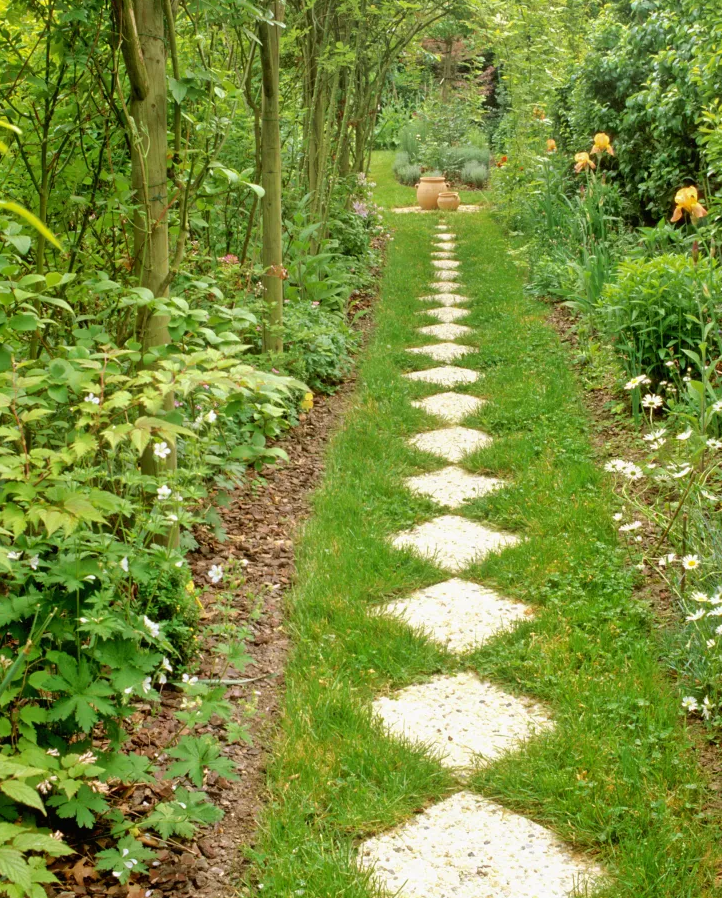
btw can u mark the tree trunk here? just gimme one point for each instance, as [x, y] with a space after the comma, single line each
[272, 251]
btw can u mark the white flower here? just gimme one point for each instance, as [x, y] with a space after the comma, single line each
[714, 444]
[670, 364]
[711, 643]
[179, 563]
[618, 516]
[628, 528]
[685, 435]
[667, 559]
[710, 496]
[690, 562]
[687, 379]
[211, 416]
[654, 435]
[147, 685]
[128, 690]
[718, 631]
[34, 562]
[689, 703]
[92, 398]
[87, 758]
[652, 401]
[152, 627]
[707, 707]
[679, 471]
[124, 563]
[164, 492]
[632, 472]
[172, 518]
[699, 597]
[697, 615]
[161, 450]
[638, 381]
[53, 752]
[162, 679]
[716, 611]
[717, 406]
[14, 556]
[215, 574]
[191, 681]
[166, 665]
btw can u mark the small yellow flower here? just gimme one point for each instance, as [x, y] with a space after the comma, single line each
[602, 144]
[583, 161]
[687, 201]
[307, 402]
[551, 145]
[190, 587]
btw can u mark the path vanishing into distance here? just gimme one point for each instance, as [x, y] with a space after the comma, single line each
[474, 708]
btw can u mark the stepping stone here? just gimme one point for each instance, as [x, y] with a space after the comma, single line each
[470, 847]
[445, 238]
[443, 352]
[446, 246]
[440, 287]
[446, 331]
[445, 264]
[452, 486]
[441, 255]
[451, 407]
[463, 718]
[446, 299]
[446, 376]
[442, 227]
[448, 314]
[459, 614]
[451, 443]
[447, 276]
[453, 542]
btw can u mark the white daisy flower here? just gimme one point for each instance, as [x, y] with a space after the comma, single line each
[690, 562]
[651, 400]
[689, 703]
[640, 380]
[696, 615]
[685, 435]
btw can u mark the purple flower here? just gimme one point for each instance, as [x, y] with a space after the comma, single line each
[361, 209]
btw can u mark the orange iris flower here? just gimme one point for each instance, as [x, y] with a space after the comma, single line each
[583, 161]
[602, 144]
[551, 145]
[687, 200]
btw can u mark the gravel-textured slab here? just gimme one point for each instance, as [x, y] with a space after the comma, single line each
[459, 614]
[446, 245]
[447, 314]
[452, 542]
[447, 275]
[444, 238]
[446, 376]
[439, 287]
[452, 486]
[443, 352]
[470, 847]
[443, 255]
[463, 718]
[445, 264]
[446, 299]
[451, 407]
[446, 331]
[451, 443]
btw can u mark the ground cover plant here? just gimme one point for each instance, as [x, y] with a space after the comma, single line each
[617, 777]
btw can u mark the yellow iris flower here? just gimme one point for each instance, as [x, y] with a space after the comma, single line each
[602, 144]
[551, 145]
[583, 160]
[687, 200]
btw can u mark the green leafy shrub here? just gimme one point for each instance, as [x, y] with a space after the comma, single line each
[409, 174]
[168, 597]
[653, 312]
[475, 174]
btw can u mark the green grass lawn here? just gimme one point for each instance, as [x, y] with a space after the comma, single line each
[389, 193]
[616, 778]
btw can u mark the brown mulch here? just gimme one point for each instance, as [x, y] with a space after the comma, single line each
[260, 522]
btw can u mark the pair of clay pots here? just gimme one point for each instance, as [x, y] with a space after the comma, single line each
[431, 193]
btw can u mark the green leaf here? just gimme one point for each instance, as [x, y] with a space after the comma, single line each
[14, 867]
[19, 791]
[23, 323]
[31, 219]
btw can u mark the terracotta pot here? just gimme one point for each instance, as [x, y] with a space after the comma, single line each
[427, 190]
[448, 201]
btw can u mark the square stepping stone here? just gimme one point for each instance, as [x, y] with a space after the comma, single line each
[459, 614]
[444, 288]
[446, 331]
[451, 443]
[447, 314]
[463, 718]
[445, 264]
[446, 376]
[453, 542]
[452, 486]
[451, 407]
[442, 255]
[443, 352]
[447, 275]
[446, 299]
[470, 847]
[446, 246]
[444, 238]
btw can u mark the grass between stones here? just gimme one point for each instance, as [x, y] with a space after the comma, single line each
[616, 777]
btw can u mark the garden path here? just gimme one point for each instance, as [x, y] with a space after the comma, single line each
[464, 846]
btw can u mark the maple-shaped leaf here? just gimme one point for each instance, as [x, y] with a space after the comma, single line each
[87, 696]
[196, 755]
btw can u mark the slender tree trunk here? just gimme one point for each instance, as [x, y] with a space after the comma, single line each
[272, 252]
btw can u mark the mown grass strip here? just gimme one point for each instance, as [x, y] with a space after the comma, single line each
[617, 776]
